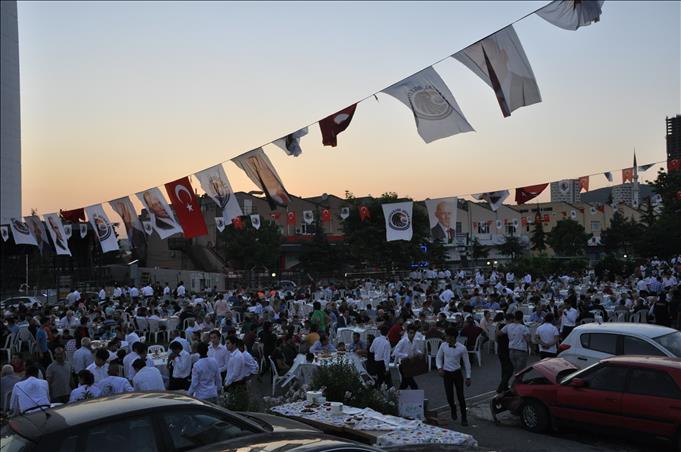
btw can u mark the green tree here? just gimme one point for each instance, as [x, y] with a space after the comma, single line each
[511, 247]
[538, 238]
[568, 238]
[622, 235]
[478, 251]
[250, 247]
[662, 238]
[319, 256]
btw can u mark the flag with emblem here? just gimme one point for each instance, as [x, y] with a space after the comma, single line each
[291, 142]
[326, 216]
[344, 212]
[333, 125]
[83, 230]
[255, 221]
[291, 218]
[308, 216]
[398, 224]
[220, 223]
[4, 231]
[238, 223]
[494, 198]
[104, 231]
[186, 207]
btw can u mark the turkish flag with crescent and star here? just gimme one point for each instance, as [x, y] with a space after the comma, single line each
[673, 165]
[524, 194]
[186, 208]
[291, 218]
[332, 125]
[326, 216]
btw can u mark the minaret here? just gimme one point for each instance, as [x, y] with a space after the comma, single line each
[634, 186]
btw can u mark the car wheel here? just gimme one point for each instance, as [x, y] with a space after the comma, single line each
[534, 416]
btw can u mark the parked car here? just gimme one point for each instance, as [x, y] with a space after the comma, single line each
[289, 442]
[29, 302]
[589, 343]
[640, 394]
[139, 422]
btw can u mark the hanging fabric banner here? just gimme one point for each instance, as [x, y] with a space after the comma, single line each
[22, 233]
[344, 212]
[673, 165]
[255, 221]
[500, 61]
[584, 183]
[104, 231]
[148, 228]
[573, 214]
[214, 182]
[38, 230]
[291, 218]
[291, 143]
[133, 226]
[499, 224]
[495, 198]
[74, 216]
[186, 208]
[57, 233]
[160, 215]
[326, 216]
[308, 216]
[4, 232]
[220, 223]
[627, 175]
[435, 110]
[68, 230]
[442, 218]
[646, 167]
[83, 230]
[238, 224]
[571, 14]
[565, 186]
[608, 175]
[364, 213]
[333, 125]
[259, 169]
[524, 194]
[398, 225]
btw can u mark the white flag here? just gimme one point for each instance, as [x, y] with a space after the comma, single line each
[102, 226]
[435, 110]
[344, 212]
[571, 14]
[442, 219]
[220, 223]
[124, 208]
[4, 231]
[573, 214]
[160, 216]
[291, 143]
[494, 198]
[608, 175]
[516, 223]
[83, 230]
[255, 221]
[308, 216]
[259, 169]
[565, 186]
[500, 61]
[398, 221]
[214, 182]
[499, 224]
[68, 230]
[148, 228]
[39, 232]
[21, 232]
[645, 167]
[57, 233]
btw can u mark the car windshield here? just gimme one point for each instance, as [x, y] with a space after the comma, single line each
[671, 342]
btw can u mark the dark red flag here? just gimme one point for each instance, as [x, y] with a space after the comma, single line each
[673, 165]
[364, 213]
[326, 216]
[524, 194]
[332, 125]
[523, 221]
[537, 218]
[186, 207]
[237, 223]
[546, 218]
[275, 215]
[291, 218]
[74, 216]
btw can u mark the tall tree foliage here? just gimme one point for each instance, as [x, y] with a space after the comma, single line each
[568, 238]
[538, 238]
[622, 235]
[250, 247]
[511, 247]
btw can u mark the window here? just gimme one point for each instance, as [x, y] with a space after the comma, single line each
[69, 444]
[595, 225]
[131, 434]
[606, 378]
[458, 227]
[483, 228]
[308, 229]
[635, 346]
[190, 429]
[248, 206]
[605, 343]
[654, 383]
[671, 342]
[510, 229]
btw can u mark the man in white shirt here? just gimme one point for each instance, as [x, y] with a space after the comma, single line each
[205, 376]
[182, 367]
[448, 362]
[134, 293]
[220, 309]
[250, 364]
[548, 336]
[139, 351]
[147, 378]
[447, 294]
[166, 292]
[568, 319]
[176, 337]
[86, 389]
[30, 394]
[100, 368]
[518, 341]
[132, 336]
[69, 321]
[181, 291]
[102, 295]
[235, 366]
[117, 292]
[114, 383]
[405, 350]
[147, 291]
[83, 356]
[218, 352]
[380, 347]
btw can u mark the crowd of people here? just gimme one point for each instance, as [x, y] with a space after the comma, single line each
[218, 341]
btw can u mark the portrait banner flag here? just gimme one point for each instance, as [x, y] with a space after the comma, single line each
[344, 212]
[435, 110]
[4, 231]
[104, 231]
[291, 143]
[124, 208]
[220, 223]
[398, 223]
[38, 230]
[326, 216]
[571, 14]
[627, 175]
[255, 221]
[186, 207]
[68, 230]
[494, 198]
[500, 61]
[442, 219]
[21, 233]
[608, 175]
[333, 125]
[74, 216]
[308, 216]
[83, 230]
[524, 194]
[161, 216]
[584, 183]
[148, 228]
[259, 169]
[57, 234]
[364, 213]
[214, 182]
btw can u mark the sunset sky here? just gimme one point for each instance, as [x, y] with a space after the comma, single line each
[120, 97]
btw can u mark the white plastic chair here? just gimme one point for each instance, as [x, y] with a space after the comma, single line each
[492, 335]
[154, 330]
[141, 325]
[345, 336]
[7, 348]
[172, 323]
[306, 373]
[24, 336]
[187, 322]
[477, 350]
[433, 345]
[276, 378]
[153, 349]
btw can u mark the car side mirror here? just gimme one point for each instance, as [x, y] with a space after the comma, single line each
[577, 383]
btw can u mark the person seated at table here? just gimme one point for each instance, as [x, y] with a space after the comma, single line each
[322, 346]
[471, 332]
[313, 336]
[18, 364]
[280, 359]
[86, 389]
[358, 345]
[341, 347]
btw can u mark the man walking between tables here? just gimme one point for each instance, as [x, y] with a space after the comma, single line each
[448, 360]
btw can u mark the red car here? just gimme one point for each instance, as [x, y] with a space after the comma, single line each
[634, 393]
